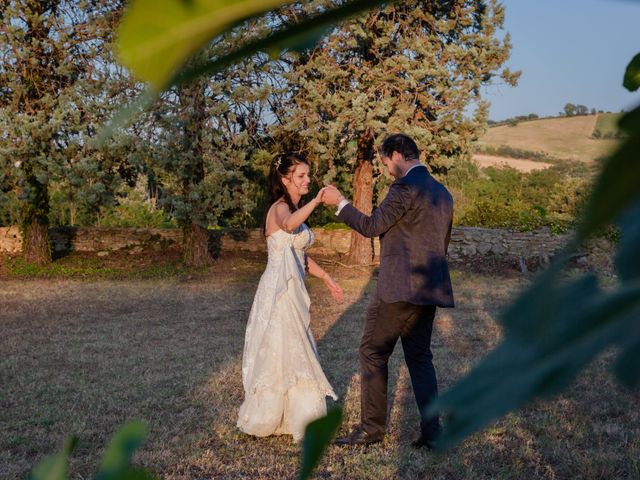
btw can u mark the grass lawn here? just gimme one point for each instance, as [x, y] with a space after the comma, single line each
[561, 138]
[85, 356]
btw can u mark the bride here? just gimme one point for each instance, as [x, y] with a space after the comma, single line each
[284, 385]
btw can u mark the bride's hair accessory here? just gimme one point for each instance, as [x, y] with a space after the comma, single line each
[277, 163]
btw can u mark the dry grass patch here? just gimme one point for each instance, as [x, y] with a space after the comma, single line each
[84, 357]
[563, 138]
[520, 164]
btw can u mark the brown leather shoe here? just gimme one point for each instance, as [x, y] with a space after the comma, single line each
[358, 436]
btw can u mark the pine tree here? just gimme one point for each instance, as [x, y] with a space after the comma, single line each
[415, 67]
[53, 99]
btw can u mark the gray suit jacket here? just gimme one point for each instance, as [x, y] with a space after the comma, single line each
[414, 224]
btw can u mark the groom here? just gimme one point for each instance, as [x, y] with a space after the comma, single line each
[414, 225]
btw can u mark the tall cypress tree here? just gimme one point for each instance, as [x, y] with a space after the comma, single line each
[415, 67]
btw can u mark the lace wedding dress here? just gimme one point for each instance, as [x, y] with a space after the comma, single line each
[284, 385]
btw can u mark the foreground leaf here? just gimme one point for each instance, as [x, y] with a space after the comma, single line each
[116, 462]
[618, 186]
[301, 35]
[55, 466]
[317, 437]
[296, 36]
[551, 333]
[156, 37]
[632, 74]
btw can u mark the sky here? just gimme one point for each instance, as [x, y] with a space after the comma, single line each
[569, 51]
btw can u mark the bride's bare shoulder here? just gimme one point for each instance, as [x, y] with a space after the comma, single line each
[276, 214]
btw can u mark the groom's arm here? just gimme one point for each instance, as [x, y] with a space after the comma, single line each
[392, 208]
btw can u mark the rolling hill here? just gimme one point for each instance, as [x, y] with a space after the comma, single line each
[565, 138]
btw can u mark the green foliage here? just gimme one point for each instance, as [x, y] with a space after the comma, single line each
[632, 74]
[372, 76]
[133, 210]
[55, 466]
[558, 326]
[155, 46]
[507, 198]
[134, 215]
[335, 226]
[50, 109]
[20, 269]
[91, 269]
[317, 436]
[607, 127]
[508, 151]
[116, 463]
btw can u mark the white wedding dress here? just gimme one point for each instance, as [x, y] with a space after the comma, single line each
[284, 385]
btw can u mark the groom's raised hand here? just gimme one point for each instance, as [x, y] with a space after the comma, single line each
[331, 195]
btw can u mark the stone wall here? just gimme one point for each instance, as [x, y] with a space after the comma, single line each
[465, 241]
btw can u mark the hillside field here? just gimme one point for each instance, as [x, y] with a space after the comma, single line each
[560, 138]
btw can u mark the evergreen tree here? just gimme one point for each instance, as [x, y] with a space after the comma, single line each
[53, 100]
[414, 67]
[210, 147]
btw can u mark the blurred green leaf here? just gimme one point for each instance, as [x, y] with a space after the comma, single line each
[116, 463]
[296, 36]
[156, 37]
[627, 259]
[55, 466]
[632, 74]
[551, 332]
[317, 437]
[618, 185]
[626, 366]
[124, 116]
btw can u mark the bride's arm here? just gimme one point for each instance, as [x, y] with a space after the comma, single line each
[317, 271]
[289, 221]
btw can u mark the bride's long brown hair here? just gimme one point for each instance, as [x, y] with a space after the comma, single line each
[280, 167]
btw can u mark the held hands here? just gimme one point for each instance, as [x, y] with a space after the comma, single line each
[329, 195]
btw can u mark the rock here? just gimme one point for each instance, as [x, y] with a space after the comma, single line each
[484, 248]
[468, 250]
[103, 254]
[523, 265]
[498, 249]
[582, 261]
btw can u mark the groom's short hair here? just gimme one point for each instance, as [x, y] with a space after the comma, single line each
[401, 143]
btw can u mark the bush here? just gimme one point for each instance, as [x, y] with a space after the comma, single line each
[134, 214]
[507, 151]
[507, 198]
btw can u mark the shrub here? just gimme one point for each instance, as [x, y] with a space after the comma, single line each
[507, 198]
[134, 214]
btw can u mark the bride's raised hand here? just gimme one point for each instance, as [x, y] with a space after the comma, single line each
[320, 195]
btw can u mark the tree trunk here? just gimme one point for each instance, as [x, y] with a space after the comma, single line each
[35, 221]
[35, 243]
[196, 237]
[361, 248]
[196, 246]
